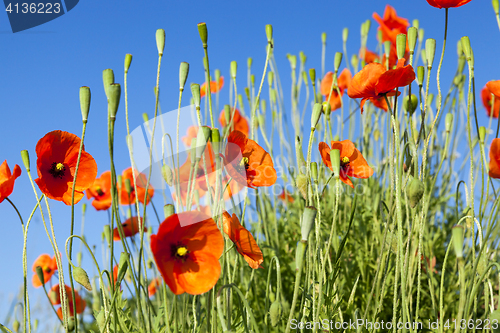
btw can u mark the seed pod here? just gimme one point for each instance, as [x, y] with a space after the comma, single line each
[415, 191]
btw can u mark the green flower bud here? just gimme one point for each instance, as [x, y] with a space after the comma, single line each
[183, 74]
[335, 159]
[412, 38]
[128, 61]
[84, 208]
[293, 61]
[337, 61]
[85, 102]
[145, 117]
[458, 240]
[312, 75]
[215, 138]
[233, 69]
[420, 75]
[82, 278]
[168, 210]
[494, 3]
[401, 45]
[466, 47]
[128, 186]
[415, 23]
[482, 133]
[421, 34]
[204, 134]
[122, 266]
[270, 78]
[25, 156]
[430, 51]
[323, 38]
[160, 41]
[448, 121]
[167, 174]
[115, 91]
[107, 233]
[252, 80]
[39, 273]
[301, 184]
[275, 312]
[108, 77]
[16, 325]
[345, 34]
[263, 106]
[247, 93]
[261, 121]
[354, 61]
[195, 91]
[302, 57]
[415, 191]
[249, 62]
[35, 325]
[410, 103]
[316, 114]
[269, 33]
[307, 221]
[202, 29]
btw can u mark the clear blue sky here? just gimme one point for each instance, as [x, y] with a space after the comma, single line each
[43, 68]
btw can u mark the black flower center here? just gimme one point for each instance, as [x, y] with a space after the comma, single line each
[57, 170]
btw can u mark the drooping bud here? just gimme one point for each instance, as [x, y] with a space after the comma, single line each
[202, 29]
[128, 61]
[16, 325]
[108, 77]
[195, 91]
[307, 221]
[167, 174]
[183, 74]
[82, 278]
[25, 156]
[430, 51]
[145, 117]
[275, 312]
[401, 45]
[316, 114]
[115, 91]
[412, 38]
[168, 210]
[458, 240]
[414, 191]
[337, 61]
[335, 159]
[85, 102]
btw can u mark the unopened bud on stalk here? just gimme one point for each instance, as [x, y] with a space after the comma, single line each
[128, 186]
[217, 75]
[195, 91]
[122, 266]
[448, 122]
[345, 34]
[300, 155]
[466, 47]
[107, 233]
[494, 3]
[202, 29]
[269, 33]
[323, 38]
[430, 51]
[416, 23]
[424, 57]
[410, 103]
[160, 41]
[247, 93]
[293, 61]
[412, 38]
[387, 49]
[249, 62]
[304, 77]
[312, 75]
[85, 102]
[327, 108]
[233, 69]
[204, 133]
[421, 33]
[458, 240]
[16, 325]
[302, 57]
[108, 77]
[168, 210]
[252, 80]
[337, 61]
[145, 117]
[84, 208]
[415, 191]
[307, 221]
[39, 273]
[167, 174]
[115, 91]
[314, 171]
[128, 61]
[183, 74]
[25, 156]
[301, 184]
[261, 121]
[401, 45]
[316, 114]
[35, 325]
[275, 312]
[335, 159]
[215, 138]
[82, 278]
[482, 134]
[270, 78]
[420, 75]
[263, 106]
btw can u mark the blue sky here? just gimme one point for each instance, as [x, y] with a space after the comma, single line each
[43, 68]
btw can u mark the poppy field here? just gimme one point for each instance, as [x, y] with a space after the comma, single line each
[358, 199]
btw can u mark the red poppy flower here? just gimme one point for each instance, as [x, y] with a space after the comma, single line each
[130, 228]
[141, 182]
[492, 87]
[286, 197]
[243, 240]
[153, 287]
[447, 3]
[101, 191]
[49, 267]
[55, 299]
[214, 86]
[239, 123]
[352, 163]
[391, 24]
[495, 159]
[192, 133]
[247, 162]
[188, 256]
[343, 82]
[57, 154]
[374, 81]
[7, 179]
[379, 103]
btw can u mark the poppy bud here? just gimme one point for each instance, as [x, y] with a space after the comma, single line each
[312, 75]
[160, 41]
[415, 23]
[107, 233]
[412, 38]
[84, 208]
[415, 191]
[183, 74]
[420, 75]
[430, 51]
[108, 77]
[16, 325]
[364, 29]
[249, 62]
[410, 103]
[323, 38]
[469, 217]
[128, 61]
[316, 114]
[314, 171]
[299, 255]
[387, 49]
[261, 121]
[401, 45]
[35, 324]
[247, 93]
[354, 61]
[421, 34]
[327, 109]
[293, 61]
[275, 312]
[145, 117]
[195, 91]
[337, 60]
[466, 47]
[304, 78]
[252, 80]
[122, 266]
[168, 210]
[85, 102]
[39, 272]
[302, 57]
[301, 184]
[215, 138]
[202, 29]
[307, 221]
[114, 92]
[167, 174]
[128, 186]
[25, 156]
[482, 133]
[269, 32]
[335, 159]
[448, 121]
[458, 240]
[345, 34]
[270, 78]
[204, 134]
[494, 3]
[232, 69]
[300, 155]
[82, 278]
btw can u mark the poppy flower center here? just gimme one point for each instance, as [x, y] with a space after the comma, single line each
[243, 165]
[57, 170]
[99, 190]
[181, 251]
[345, 161]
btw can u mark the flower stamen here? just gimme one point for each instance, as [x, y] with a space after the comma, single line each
[57, 170]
